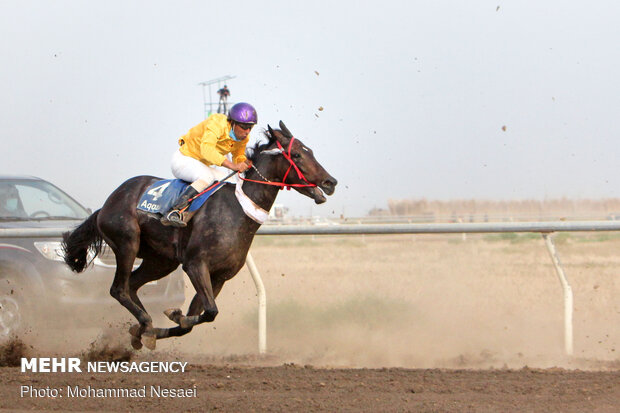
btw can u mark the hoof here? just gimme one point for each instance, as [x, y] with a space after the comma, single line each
[149, 340]
[136, 343]
[185, 323]
[174, 314]
[135, 330]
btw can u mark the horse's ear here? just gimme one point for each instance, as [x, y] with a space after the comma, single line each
[281, 136]
[285, 130]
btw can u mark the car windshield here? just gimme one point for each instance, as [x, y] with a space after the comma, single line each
[30, 199]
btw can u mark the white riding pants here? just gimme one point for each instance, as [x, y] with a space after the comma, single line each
[191, 170]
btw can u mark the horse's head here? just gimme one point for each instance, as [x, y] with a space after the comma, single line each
[298, 167]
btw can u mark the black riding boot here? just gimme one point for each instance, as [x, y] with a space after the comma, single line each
[173, 216]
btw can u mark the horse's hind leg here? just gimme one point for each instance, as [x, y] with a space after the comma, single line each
[125, 243]
[151, 269]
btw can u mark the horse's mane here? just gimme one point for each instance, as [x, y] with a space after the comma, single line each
[252, 153]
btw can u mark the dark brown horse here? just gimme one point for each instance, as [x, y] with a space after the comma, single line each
[212, 248]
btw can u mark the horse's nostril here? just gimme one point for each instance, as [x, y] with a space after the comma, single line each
[329, 185]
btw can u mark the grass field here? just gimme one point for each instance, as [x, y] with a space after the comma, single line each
[422, 301]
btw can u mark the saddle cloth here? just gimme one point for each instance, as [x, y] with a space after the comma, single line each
[160, 196]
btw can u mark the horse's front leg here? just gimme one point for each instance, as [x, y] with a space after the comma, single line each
[176, 315]
[198, 273]
[206, 291]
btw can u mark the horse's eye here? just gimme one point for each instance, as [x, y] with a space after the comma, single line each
[296, 156]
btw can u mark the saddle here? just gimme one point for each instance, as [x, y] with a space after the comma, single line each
[162, 195]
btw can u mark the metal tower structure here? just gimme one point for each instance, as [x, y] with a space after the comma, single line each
[208, 105]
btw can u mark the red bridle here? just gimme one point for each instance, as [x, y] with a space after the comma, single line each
[292, 165]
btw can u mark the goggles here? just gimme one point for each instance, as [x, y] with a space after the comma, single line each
[245, 126]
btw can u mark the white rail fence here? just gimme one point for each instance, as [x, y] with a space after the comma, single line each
[544, 228]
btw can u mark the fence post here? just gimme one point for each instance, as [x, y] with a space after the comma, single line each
[262, 304]
[568, 294]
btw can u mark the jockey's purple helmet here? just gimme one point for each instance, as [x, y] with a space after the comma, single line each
[243, 113]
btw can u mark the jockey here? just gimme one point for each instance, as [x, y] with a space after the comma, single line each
[205, 146]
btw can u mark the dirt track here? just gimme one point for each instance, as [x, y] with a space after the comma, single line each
[480, 309]
[294, 388]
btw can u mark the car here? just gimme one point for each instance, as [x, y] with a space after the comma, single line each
[36, 284]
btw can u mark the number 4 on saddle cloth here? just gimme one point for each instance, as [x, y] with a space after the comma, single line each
[160, 196]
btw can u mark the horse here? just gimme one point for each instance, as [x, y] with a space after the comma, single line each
[212, 248]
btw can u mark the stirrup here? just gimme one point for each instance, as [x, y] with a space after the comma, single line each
[173, 218]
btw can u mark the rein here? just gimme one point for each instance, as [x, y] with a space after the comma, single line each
[266, 181]
[292, 165]
[213, 185]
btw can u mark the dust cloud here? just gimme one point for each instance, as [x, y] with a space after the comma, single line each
[423, 301]
[12, 351]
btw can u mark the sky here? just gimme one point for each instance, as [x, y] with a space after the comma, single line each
[428, 99]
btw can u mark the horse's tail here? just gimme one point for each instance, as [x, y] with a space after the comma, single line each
[76, 243]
